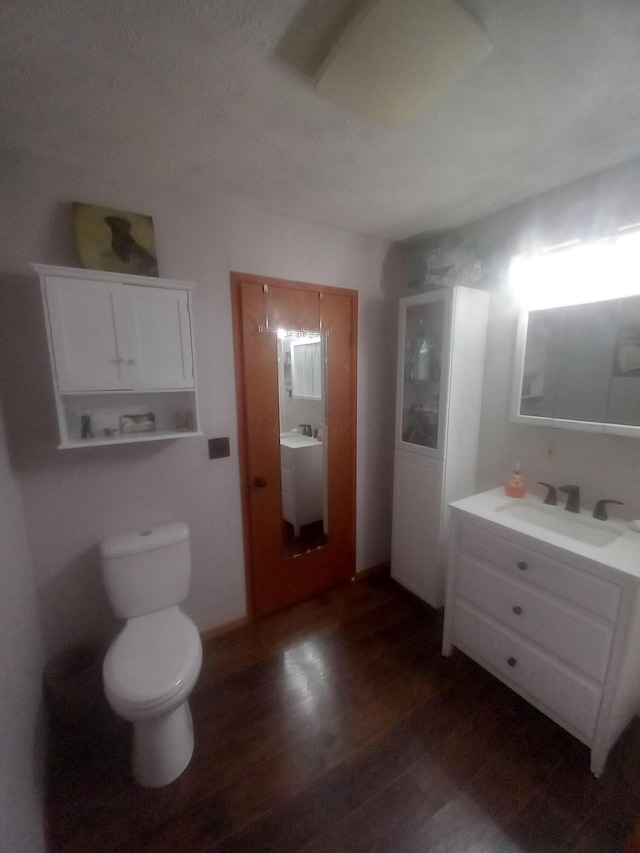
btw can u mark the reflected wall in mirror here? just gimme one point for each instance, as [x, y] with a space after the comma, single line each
[624, 393]
[540, 368]
[306, 372]
[303, 458]
[578, 367]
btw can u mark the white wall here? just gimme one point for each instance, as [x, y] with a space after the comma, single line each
[21, 825]
[603, 466]
[73, 499]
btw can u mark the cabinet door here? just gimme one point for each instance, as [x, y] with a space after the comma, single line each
[417, 526]
[161, 356]
[423, 347]
[87, 320]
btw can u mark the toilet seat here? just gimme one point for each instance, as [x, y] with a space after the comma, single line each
[154, 658]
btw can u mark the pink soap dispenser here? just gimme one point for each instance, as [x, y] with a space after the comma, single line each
[515, 486]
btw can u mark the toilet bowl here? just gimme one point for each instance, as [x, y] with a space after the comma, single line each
[153, 664]
[149, 672]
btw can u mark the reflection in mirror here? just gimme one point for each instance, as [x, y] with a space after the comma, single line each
[302, 394]
[306, 377]
[568, 359]
[582, 363]
[586, 347]
[624, 396]
[540, 368]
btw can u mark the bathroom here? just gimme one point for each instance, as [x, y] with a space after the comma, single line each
[64, 503]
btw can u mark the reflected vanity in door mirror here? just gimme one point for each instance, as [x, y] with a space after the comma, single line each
[302, 395]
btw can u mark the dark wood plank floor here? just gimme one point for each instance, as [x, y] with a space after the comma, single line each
[336, 725]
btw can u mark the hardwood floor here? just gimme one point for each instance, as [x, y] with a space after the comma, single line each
[336, 725]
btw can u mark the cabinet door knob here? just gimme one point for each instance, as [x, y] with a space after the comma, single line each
[131, 361]
[260, 482]
[517, 609]
[522, 566]
[512, 661]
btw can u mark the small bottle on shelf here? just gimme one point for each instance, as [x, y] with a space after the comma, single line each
[85, 425]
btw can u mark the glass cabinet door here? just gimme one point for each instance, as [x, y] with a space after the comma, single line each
[421, 355]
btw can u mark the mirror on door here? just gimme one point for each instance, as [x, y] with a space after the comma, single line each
[302, 395]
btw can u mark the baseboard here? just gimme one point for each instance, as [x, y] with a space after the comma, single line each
[224, 628]
[380, 569]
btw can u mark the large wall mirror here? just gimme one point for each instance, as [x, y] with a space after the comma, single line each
[303, 458]
[578, 367]
[577, 363]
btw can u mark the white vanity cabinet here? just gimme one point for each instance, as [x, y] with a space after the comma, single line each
[119, 345]
[560, 629]
[441, 343]
[301, 463]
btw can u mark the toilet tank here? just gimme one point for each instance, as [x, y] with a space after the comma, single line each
[147, 571]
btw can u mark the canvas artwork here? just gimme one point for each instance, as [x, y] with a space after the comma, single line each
[114, 240]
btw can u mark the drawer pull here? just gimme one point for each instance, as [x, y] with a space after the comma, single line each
[512, 661]
[522, 566]
[517, 609]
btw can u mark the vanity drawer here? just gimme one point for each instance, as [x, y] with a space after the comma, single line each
[581, 588]
[543, 680]
[573, 635]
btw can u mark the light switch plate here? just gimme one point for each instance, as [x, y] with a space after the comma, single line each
[219, 448]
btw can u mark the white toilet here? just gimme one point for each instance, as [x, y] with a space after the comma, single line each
[154, 662]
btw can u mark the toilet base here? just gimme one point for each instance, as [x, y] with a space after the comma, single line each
[162, 747]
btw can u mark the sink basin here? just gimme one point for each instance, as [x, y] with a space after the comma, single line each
[555, 519]
[298, 440]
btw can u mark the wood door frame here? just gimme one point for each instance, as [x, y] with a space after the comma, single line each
[236, 307]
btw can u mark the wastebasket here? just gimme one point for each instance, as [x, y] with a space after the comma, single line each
[73, 681]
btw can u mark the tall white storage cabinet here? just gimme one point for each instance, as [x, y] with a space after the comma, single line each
[441, 344]
[119, 345]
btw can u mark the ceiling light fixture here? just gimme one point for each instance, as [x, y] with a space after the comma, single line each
[397, 56]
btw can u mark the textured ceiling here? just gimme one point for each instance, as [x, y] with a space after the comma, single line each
[217, 94]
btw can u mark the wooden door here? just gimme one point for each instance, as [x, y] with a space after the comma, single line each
[261, 305]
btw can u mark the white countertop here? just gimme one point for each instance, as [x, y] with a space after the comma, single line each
[298, 440]
[546, 524]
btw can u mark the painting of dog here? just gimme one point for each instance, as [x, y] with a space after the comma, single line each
[114, 240]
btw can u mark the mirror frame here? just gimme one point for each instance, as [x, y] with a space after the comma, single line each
[628, 430]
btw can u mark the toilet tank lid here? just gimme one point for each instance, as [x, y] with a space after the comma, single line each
[123, 544]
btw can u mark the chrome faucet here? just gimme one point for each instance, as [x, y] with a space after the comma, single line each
[573, 499]
[306, 429]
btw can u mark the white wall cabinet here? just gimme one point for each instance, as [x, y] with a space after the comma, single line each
[119, 345]
[558, 628]
[441, 345]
